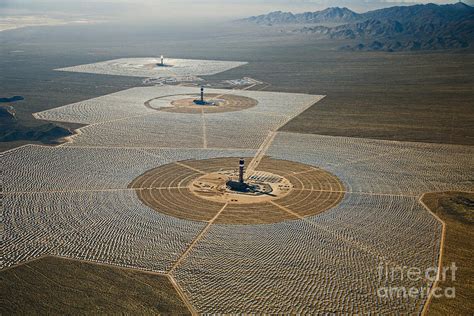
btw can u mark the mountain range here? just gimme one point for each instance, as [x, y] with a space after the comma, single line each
[417, 27]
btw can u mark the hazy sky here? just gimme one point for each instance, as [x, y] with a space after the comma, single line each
[175, 9]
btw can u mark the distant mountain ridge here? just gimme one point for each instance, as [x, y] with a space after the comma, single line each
[417, 27]
[447, 12]
[327, 15]
[429, 12]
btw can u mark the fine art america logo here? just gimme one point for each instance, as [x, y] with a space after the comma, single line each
[402, 274]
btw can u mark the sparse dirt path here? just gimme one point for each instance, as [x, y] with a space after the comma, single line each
[182, 295]
[440, 257]
[252, 166]
[196, 239]
[189, 167]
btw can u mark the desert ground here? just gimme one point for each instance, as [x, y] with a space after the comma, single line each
[51, 285]
[455, 209]
[120, 192]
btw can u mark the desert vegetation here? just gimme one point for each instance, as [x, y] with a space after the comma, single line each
[52, 285]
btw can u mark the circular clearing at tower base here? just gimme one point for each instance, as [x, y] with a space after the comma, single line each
[213, 103]
[201, 190]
